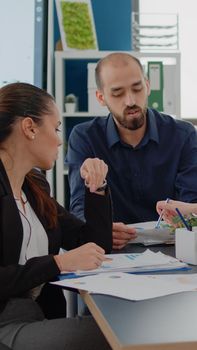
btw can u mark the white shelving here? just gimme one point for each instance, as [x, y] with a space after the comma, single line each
[168, 58]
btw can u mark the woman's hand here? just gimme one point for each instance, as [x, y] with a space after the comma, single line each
[170, 209]
[93, 171]
[87, 257]
[122, 234]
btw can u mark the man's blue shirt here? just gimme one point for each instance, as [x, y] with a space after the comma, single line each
[163, 165]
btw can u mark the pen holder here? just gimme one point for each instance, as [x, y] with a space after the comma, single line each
[186, 245]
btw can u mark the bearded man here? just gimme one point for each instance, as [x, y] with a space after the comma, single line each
[151, 156]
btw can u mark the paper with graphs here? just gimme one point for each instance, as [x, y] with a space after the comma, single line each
[147, 261]
[133, 287]
[147, 234]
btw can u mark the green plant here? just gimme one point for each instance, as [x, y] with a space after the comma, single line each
[77, 24]
[191, 219]
[70, 98]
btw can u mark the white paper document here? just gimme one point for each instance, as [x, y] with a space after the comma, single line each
[147, 234]
[133, 287]
[135, 262]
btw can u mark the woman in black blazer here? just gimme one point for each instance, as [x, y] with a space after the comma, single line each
[33, 227]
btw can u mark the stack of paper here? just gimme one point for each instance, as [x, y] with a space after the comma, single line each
[147, 234]
[133, 287]
[148, 261]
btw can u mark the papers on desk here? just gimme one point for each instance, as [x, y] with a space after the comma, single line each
[133, 287]
[147, 234]
[148, 261]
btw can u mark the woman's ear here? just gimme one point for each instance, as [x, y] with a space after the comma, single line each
[28, 128]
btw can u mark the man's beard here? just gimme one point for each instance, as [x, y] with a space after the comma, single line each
[129, 122]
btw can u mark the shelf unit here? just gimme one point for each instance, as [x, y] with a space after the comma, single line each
[168, 58]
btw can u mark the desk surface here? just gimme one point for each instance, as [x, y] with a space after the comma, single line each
[168, 322]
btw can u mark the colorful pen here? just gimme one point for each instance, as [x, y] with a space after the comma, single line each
[161, 215]
[185, 223]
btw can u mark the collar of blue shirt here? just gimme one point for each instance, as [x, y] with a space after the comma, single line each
[151, 132]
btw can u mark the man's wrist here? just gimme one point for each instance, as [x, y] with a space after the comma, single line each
[103, 187]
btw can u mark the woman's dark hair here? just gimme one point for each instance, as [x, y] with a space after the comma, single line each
[20, 100]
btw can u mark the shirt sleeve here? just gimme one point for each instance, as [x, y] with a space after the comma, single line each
[97, 227]
[186, 179]
[17, 279]
[78, 151]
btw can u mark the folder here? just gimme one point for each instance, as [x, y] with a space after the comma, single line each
[155, 75]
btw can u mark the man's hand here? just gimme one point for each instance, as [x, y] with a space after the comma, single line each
[94, 171]
[122, 234]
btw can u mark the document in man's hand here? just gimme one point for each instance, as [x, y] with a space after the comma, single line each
[148, 235]
[148, 261]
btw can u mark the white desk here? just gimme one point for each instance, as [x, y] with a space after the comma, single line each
[168, 322]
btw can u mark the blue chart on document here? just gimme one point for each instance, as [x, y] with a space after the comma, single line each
[111, 279]
[147, 234]
[147, 261]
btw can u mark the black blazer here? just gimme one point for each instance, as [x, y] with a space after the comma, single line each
[16, 280]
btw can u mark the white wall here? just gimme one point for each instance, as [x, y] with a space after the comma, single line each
[187, 11]
[16, 41]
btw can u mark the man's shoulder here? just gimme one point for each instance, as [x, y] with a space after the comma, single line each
[171, 122]
[93, 123]
[96, 125]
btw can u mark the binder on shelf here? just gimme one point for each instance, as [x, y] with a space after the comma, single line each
[155, 75]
